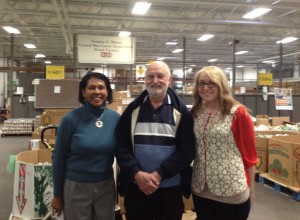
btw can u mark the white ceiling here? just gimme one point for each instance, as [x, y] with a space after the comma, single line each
[52, 25]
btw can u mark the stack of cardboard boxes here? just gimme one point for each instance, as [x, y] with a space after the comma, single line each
[279, 154]
[49, 117]
[121, 99]
[33, 171]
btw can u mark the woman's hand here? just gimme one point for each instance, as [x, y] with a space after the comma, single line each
[57, 204]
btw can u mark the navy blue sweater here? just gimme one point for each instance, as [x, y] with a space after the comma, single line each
[84, 152]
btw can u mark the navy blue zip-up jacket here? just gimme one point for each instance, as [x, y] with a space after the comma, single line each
[178, 162]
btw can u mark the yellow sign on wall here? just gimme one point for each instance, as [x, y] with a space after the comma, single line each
[140, 71]
[265, 79]
[55, 72]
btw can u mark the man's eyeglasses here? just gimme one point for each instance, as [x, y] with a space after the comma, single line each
[158, 76]
[209, 84]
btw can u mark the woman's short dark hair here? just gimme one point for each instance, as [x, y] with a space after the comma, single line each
[85, 79]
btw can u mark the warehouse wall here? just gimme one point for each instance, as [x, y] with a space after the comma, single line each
[259, 106]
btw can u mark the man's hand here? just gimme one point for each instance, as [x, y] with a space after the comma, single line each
[148, 182]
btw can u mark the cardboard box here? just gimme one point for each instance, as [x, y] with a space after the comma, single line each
[32, 184]
[262, 154]
[122, 94]
[262, 120]
[188, 203]
[262, 142]
[284, 156]
[48, 134]
[36, 144]
[53, 117]
[279, 120]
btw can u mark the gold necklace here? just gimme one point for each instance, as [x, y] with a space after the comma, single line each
[98, 122]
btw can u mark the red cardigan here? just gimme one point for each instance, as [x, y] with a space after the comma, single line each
[243, 131]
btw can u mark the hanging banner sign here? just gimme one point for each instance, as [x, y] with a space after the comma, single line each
[283, 98]
[55, 72]
[105, 49]
[265, 79]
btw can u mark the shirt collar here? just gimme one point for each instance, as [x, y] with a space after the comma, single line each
[166, 101]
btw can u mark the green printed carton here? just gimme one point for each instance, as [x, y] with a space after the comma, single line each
[284, 158]
[32, 184]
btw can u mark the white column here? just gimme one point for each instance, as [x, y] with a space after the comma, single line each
[296, 70]
[2, 78]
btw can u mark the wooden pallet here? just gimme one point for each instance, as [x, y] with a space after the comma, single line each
[268, 180]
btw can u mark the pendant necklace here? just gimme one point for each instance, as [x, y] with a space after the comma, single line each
[98, 122]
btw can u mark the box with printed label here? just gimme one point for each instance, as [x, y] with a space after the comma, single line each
[32, 184]
[262, 142]
[284, 158]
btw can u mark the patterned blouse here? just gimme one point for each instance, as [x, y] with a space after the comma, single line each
[225, 148]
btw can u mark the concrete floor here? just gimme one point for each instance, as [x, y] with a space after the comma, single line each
[269, 205]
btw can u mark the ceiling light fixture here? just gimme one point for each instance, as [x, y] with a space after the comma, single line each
[276, 2]
[241, 52]
[30, 46]
[177, 50]
[171, 43]
[287, 40]
[256, 12]
[47, 61]
[140, 8]
[212, 60]
[269, 61]
[205, 37]
[39, 55]
[124, 34]
[11, 30]
[161, 58]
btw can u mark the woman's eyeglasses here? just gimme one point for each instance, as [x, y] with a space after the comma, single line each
[209, 84]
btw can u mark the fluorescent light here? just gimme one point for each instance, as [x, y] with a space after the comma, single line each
[140, 8]
[11, 30]
[212, 60]
[241, 52]
[47, 61]
[161, 58]
[276, 2]
[171, 43]
[30, 46]
[269, 61]
[124, 34]
[40, 55]
[256, 12]
[192, 65]
[240, 66]
[177, 50]
[287, 40]
[205, 37]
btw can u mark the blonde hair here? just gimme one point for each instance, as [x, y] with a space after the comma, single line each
[217, 76]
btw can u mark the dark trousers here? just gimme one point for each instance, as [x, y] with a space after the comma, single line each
[164, 204]
[207, 209]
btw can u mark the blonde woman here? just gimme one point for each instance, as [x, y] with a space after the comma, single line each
[224, 166]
